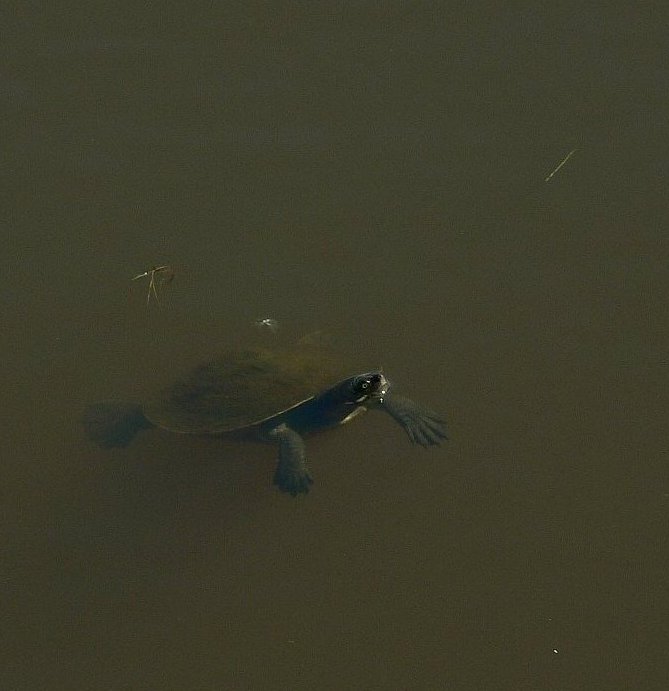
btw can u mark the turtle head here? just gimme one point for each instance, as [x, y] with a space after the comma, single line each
[371, 385]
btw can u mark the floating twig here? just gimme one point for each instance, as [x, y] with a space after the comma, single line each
[560, 164]
[168, 275]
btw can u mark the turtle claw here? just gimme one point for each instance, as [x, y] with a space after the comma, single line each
[291, 475]
[292, 483]
[422, 425]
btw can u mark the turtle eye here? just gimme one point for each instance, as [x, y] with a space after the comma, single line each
[361, 385]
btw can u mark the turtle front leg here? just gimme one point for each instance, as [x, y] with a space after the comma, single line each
[423, 425]
[291, 473]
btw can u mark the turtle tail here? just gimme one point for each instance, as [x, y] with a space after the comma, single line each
[112, 423]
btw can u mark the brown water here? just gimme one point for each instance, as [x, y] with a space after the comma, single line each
[374, 170]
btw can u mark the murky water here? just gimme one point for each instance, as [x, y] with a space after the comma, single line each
[375, 172]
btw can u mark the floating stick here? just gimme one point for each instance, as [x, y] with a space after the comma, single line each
[560, 164]
[151, 274]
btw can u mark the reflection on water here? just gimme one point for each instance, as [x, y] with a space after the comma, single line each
[379, 175]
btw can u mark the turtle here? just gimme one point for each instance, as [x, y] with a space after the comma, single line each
[270, 395]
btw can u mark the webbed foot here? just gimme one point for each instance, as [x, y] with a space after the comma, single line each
[291, 473]
[422, 425]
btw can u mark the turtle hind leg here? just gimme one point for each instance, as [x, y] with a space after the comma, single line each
[113, 424]
[422, 425]
[291, 473]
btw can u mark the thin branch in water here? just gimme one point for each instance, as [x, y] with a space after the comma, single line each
[167, 274]
[560, 164]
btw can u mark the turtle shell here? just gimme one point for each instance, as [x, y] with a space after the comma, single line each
[241, 388]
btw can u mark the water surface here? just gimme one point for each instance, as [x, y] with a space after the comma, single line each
[376, 172]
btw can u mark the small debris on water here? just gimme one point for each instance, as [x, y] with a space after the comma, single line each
[560, 164]
[166, 274]
[267, 323]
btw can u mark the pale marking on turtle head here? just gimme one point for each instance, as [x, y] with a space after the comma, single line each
[352, 414]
